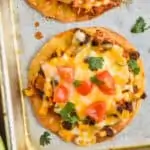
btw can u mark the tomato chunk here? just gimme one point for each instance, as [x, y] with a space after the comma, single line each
[108, 83]
[60, 94]
[83, 87]
[66, 73]
[96, 110]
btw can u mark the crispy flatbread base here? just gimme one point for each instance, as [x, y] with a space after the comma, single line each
[64, 13]
[52, 121]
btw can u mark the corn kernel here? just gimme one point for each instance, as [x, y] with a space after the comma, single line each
[28, 92]
[125, 114]
[44, 108]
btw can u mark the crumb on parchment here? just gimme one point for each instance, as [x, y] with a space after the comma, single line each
[38, 35]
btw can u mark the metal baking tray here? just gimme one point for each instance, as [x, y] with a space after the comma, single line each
[18, 46]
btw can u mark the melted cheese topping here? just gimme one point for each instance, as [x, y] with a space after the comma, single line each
[112, 58]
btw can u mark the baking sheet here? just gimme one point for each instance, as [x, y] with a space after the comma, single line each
[120, 20]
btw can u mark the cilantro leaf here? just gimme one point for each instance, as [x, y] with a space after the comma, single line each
[68, 113]
[45, 138]
[96, 81]
[139, 26]
[74, 119]
[77, 83]
[133, 66]
[95, 62]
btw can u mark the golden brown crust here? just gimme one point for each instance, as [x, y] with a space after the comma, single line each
[119, 127]
[49, 48]
[64, 13]
[47, 121]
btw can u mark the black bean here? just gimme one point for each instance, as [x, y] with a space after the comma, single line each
[53, 55]
[54, 83]
[90, 121]
[128, 106]
[67, 125]
[143, 96]
[109, 131]
[120, 108]
[134, 55]
[86, 60]
[125, 106]
[95, 42]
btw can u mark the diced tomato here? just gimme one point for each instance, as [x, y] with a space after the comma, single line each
[96, 110]
[108, 85]
[60, 94]
[66, 73]
[84, 87]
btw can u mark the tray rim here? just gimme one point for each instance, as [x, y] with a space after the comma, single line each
[7, 16]
[2, 89]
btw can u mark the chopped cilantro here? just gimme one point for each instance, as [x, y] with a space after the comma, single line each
[74, 119]
[133, 66]
[95, 62]
[68, 113]
[139, 26]
[45, 138]
[77, 83]
[96, 81]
